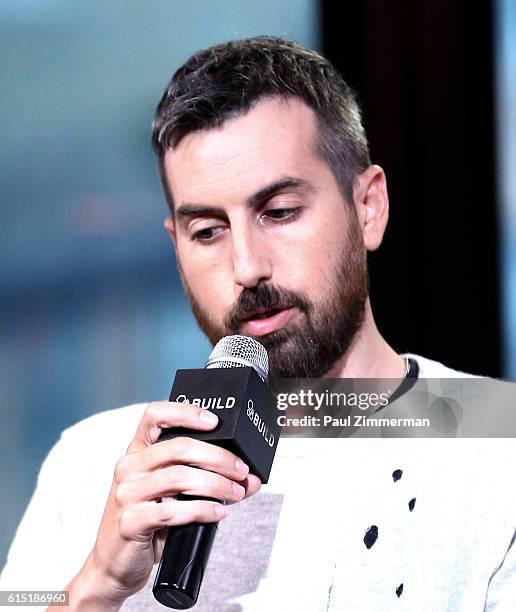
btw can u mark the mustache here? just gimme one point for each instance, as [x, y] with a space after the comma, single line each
[264, 296]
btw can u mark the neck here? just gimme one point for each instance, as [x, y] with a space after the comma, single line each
[369, 355]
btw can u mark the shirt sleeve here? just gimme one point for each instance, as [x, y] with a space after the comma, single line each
[35, 560]
[60, 524]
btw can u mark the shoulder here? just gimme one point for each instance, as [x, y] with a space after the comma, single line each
[474, 406]
[429, 368]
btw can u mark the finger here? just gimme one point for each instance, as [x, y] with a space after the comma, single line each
[252, 484]
[140, 521]
[158, 543]
[176, 479]
[181, 450]
[162, 415]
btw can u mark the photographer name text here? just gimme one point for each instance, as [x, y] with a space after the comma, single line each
[357, 420]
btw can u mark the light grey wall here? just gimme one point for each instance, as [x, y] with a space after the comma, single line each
[92, 315]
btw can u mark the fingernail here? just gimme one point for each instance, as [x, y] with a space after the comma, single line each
[241, 467]
[238, 489]
[221, 511]
[208, 417]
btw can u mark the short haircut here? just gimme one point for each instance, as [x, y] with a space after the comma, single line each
[227, 80]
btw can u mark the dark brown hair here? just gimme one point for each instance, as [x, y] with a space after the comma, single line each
[226, 80]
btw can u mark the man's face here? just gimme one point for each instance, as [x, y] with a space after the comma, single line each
[266, 245]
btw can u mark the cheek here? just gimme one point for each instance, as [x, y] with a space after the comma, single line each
[209, 281]
[307, 264]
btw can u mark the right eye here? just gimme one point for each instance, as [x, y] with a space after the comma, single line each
[206, 234]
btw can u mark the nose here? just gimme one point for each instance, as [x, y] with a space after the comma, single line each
[251, 259]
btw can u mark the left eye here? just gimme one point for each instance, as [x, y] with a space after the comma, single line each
[280, 214]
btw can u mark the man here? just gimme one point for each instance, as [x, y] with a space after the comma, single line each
[274, 204]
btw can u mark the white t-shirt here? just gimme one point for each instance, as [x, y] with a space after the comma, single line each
[438, 517]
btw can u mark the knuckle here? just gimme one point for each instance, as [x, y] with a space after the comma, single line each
[198, 512]
[223, 456]
[151, 411]
[201, 515]
[166, 512]
[179, 473]
[181, 446]
[219, 487]
[121, 468]
[208, 512]
[125, 524]
[121, 495]
[207, 485]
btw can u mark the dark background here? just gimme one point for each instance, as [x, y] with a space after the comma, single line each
[425, 76]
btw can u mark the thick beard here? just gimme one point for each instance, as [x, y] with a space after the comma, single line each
[312, 348]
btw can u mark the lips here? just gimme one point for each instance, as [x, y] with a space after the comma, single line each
[264, 321]
[264, 313]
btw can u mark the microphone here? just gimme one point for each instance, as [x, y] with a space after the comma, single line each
[233, 384]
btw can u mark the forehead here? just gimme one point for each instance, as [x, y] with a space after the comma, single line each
[274, 138]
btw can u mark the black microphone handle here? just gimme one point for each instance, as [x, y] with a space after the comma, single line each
[183, 562]
[248, 429]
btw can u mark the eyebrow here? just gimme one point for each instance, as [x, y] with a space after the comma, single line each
[259, 197]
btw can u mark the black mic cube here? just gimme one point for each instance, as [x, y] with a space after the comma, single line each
[248, 424]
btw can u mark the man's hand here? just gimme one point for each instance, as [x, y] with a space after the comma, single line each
[134, 524]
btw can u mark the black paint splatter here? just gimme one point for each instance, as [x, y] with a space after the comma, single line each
[396, 475]
[411, 504]
[399, 590]
[371, 536]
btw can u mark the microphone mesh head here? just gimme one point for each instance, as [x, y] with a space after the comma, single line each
[238, 351]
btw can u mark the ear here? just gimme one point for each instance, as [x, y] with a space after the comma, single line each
[171, 229]
[372, 205]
